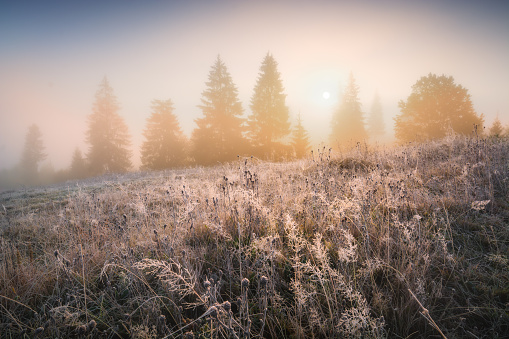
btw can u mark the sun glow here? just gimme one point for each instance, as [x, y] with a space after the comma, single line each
[326, 95]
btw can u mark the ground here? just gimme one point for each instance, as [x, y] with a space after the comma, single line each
[402, 243]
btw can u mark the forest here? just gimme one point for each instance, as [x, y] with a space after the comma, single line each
[436, 107]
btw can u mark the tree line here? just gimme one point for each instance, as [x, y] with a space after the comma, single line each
[436, 107]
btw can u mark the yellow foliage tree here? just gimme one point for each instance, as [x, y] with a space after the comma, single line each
[437, 106]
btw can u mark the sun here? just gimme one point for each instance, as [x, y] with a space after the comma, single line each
[326, 95]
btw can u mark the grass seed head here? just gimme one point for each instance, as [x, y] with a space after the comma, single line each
[227, 306]
[263, 281]
[245, 283]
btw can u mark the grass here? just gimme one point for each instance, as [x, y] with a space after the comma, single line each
[399, 243]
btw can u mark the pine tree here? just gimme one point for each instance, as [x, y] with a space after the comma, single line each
[219, 133]
[436, 107]
[107, 134]
[164, 145]
[348, 121]
[376, 124]
[78, 168]
[496, 130]
[33, 154]
[300, 139]
[269, 119]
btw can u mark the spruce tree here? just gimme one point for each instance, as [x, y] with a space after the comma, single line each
[107, 134]
[496, 129]
[164, 145]
[269, 119]
[78, 168]
[376, 124]
[300, 139]
[33, 154]
[348, 121]
[218, 136]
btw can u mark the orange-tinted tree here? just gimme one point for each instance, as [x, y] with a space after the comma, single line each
[269, 120]
[437, 106]
[107, 134]
[496, 129]
[348, 120]
[165, 144]
[376, 124]
[218, 136]
[300, 139]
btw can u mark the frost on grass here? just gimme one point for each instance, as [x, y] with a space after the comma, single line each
[351, 245]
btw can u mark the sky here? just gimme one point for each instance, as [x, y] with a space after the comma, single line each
[54, 54]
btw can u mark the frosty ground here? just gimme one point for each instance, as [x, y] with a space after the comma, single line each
[403, 242]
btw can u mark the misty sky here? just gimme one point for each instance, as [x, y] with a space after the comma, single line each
[53, 55]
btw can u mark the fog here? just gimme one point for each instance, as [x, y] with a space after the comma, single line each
[53, 56]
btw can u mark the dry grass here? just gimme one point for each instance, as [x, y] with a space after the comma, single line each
[403, 243]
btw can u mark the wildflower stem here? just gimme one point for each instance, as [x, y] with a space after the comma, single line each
[425, 314]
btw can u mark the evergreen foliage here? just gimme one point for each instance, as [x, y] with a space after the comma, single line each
[165, 144]
[496, 129]
[300, 139]
[33, 154]
[437, 106]
[348, 121]
[376, 124]
[78, 168]
[269, 119]
[107, 134]
[219, 133]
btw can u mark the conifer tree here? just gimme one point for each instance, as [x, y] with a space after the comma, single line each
[376, 124]
[436, 107]
[496, 129]
[164, 145]
[33, 154]
[348, 120]
[269, 119]
[107, 134]
[218, 136]
[300, 139]
[78, 168]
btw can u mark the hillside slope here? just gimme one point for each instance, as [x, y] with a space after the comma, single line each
[408, 242]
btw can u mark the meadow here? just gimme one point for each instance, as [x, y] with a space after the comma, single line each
[406, 242]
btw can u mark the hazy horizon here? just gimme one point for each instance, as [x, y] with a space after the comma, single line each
[54, 55]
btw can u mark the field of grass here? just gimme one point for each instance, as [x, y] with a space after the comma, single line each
[408, 242]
